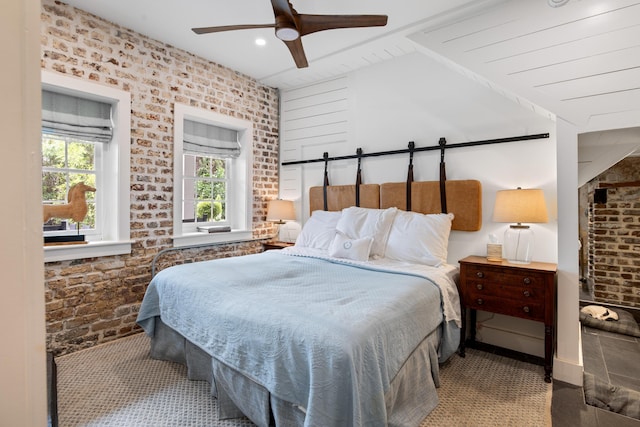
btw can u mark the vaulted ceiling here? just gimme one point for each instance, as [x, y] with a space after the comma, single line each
[579, 61]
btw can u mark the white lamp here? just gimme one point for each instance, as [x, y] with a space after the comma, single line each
[519, 206]
[280, 211]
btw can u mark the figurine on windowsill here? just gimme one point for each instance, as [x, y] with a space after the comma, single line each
[76, 208]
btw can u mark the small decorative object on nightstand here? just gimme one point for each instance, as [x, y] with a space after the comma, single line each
[527, 291]
[275, 245]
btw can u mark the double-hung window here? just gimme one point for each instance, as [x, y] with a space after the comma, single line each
[212, 189]
[74, 130]
[86, 139]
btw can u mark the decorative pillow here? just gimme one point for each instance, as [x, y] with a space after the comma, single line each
[419, 238]
[319, 230]
[355, 249]
[357, 223]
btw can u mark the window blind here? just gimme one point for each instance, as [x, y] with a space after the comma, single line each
[80, 118]
[202, 138]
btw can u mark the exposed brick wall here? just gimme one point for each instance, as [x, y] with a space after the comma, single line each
[613, 234]
[94, 300]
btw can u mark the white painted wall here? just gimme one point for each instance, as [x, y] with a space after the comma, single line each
[416, 99]
[22, 352]
[413, 98]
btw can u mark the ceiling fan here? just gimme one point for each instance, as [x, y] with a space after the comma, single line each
[290, 26]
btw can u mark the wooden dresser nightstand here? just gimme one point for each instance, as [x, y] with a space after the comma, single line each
[527, 291]
[276, 245]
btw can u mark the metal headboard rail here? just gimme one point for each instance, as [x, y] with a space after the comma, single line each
[417, 149]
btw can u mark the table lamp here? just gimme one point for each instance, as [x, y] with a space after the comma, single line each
[279, 211]
[519, 206]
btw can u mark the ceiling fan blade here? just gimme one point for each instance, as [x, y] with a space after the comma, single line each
[206, 30]
[297, 51]
[283, 8]
[313, 23]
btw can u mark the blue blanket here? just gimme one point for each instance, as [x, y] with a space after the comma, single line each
[322, 335]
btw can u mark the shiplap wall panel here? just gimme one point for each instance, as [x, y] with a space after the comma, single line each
[315, 119]
[313, 101]
[296, 116]
[310, 91]
[315, 114]
[320, 115]
[314, 133]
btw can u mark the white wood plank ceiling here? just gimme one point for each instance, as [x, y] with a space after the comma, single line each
[580, 61]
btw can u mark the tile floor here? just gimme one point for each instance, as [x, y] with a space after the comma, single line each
[609, 356]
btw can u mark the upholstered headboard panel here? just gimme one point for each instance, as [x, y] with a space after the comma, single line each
[343, 196]
[464, 199]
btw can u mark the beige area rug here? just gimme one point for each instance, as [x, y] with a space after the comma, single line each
[117, 384]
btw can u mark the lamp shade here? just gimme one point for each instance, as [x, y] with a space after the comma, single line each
[520, 205]
[280, 211]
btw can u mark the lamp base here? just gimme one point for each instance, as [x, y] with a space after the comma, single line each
[518, 244]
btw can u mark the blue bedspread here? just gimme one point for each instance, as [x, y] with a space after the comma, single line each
[322, 335]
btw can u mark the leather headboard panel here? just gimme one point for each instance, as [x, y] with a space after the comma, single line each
[464, 199]
[344, 196]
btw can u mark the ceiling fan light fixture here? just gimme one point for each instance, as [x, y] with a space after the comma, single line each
[287, 34]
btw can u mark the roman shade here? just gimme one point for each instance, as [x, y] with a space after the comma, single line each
[70, 116]
[203, 138]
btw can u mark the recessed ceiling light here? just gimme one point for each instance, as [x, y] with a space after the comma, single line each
[261, 42]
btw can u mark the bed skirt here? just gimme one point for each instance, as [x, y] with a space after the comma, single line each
[412, 394]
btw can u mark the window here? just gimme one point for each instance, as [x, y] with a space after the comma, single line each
[66, 162]
[212, 175]
[89, 144]
[204, 189]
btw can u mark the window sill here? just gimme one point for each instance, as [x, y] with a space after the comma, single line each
[199, 238]
[88, 250]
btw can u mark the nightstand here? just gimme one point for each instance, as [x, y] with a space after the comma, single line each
[275, 245]
[527, 291]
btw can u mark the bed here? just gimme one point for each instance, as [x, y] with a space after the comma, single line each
[347, 327]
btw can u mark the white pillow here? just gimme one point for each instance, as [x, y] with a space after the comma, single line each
[319, 230]
[357, 223]
[419, 238]
[355, 249]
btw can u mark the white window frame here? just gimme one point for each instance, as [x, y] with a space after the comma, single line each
[240, 189]
[115, 238]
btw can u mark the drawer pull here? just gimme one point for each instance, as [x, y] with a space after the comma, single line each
[479, 286]
[527, 281]
[526, 309]
[480, 274]
[526, 293]
[479, 301]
